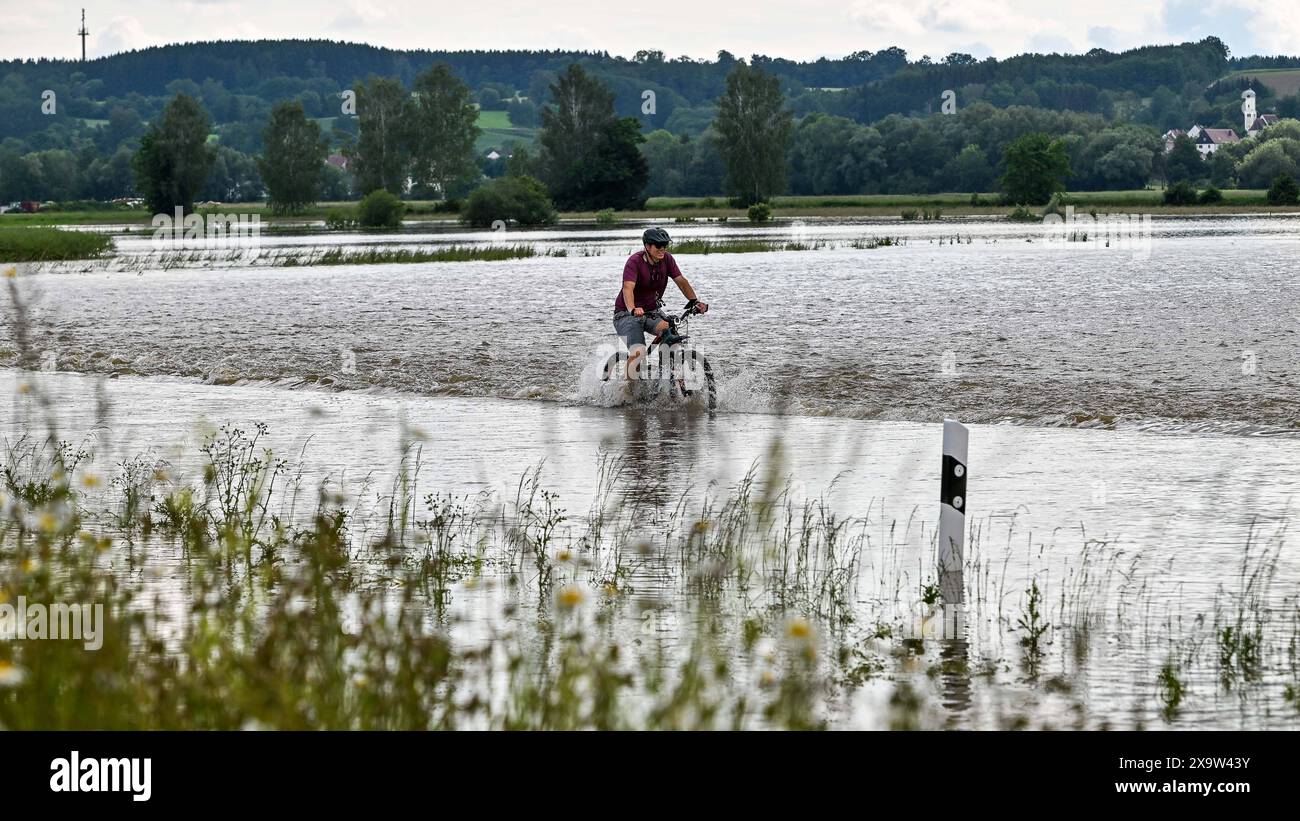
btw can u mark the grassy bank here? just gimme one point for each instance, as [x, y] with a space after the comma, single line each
[375, 256]
[658, 208]
[750, 246]
[41, 244]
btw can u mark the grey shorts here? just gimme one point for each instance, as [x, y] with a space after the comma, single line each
[634, 328]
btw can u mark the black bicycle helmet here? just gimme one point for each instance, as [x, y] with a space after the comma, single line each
[655, 236]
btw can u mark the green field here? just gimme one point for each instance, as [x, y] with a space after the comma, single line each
[496, 131]
[1281, 81]
[494, 119]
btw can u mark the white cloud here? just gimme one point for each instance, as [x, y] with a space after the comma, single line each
[358, 15]
[121, 34]
[1274, 23]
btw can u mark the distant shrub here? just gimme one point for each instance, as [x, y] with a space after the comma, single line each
[909, 214]
[1023, 214]
[606, 217]
[1283, 191]
[1210, 196]
[380, 209]
[1180, 193]
[521, 200]
[759, 212]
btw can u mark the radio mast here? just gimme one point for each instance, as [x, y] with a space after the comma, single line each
[82, 34]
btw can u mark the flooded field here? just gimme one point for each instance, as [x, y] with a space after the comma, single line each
[469, 528]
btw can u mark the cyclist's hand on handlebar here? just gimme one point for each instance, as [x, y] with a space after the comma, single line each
[638, 312]
[701, 307]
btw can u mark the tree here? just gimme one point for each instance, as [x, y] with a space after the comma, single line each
[234, 178]
[1223, 169]
[590, 158]
[1284, 191]
[1266, 162]
[59, 173]
[380, 209]
[1037, 166]
[109, 177]
[834, 155]
[969, 171]
[668, 158]
[379, 158]
[174, 159]
[123, 124]
[522, 200]
[1184, 161]
[1180, 193]
[618, 172]
[522, 113]
[293, 163]
[754, 134]
[442, 129]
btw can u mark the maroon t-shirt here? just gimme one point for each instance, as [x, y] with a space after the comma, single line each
[650, 280]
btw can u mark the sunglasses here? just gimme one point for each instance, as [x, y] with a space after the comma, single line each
[660, 245]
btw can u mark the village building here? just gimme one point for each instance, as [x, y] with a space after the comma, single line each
[1208, 140]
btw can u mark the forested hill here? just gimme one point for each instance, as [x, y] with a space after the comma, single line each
[877, 83]
[247, 66]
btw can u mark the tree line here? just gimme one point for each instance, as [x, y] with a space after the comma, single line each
[418, 140]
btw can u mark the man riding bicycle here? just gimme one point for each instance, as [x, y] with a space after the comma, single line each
[636, 311]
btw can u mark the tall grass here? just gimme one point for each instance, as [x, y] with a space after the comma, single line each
[241, 597]
[373, 256]
[37, 244]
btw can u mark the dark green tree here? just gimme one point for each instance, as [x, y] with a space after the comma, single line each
[174, 158]
[234, 178]
[753, 130]
[380, 209]
[292, 164]
[1284, 191]
[520, 200]
[380, 157]
[589, 157]
[1037, 166]
[1184, 163]
[834, 155]
[1223, 169]
[442, 129]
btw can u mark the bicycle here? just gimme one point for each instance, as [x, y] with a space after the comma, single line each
[687, 372]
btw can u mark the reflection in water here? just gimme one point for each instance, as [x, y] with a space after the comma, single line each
[954, 659]
[659, 450]
[1166, 547]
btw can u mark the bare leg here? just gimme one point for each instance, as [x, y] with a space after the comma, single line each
[633, 355]
[636, 352]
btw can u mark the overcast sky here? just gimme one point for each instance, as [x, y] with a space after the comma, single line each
[800, 29]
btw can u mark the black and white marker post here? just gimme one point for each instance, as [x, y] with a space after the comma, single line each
[952, 512]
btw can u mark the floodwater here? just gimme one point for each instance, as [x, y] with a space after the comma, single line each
[1132, 420]
[1196, 331]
